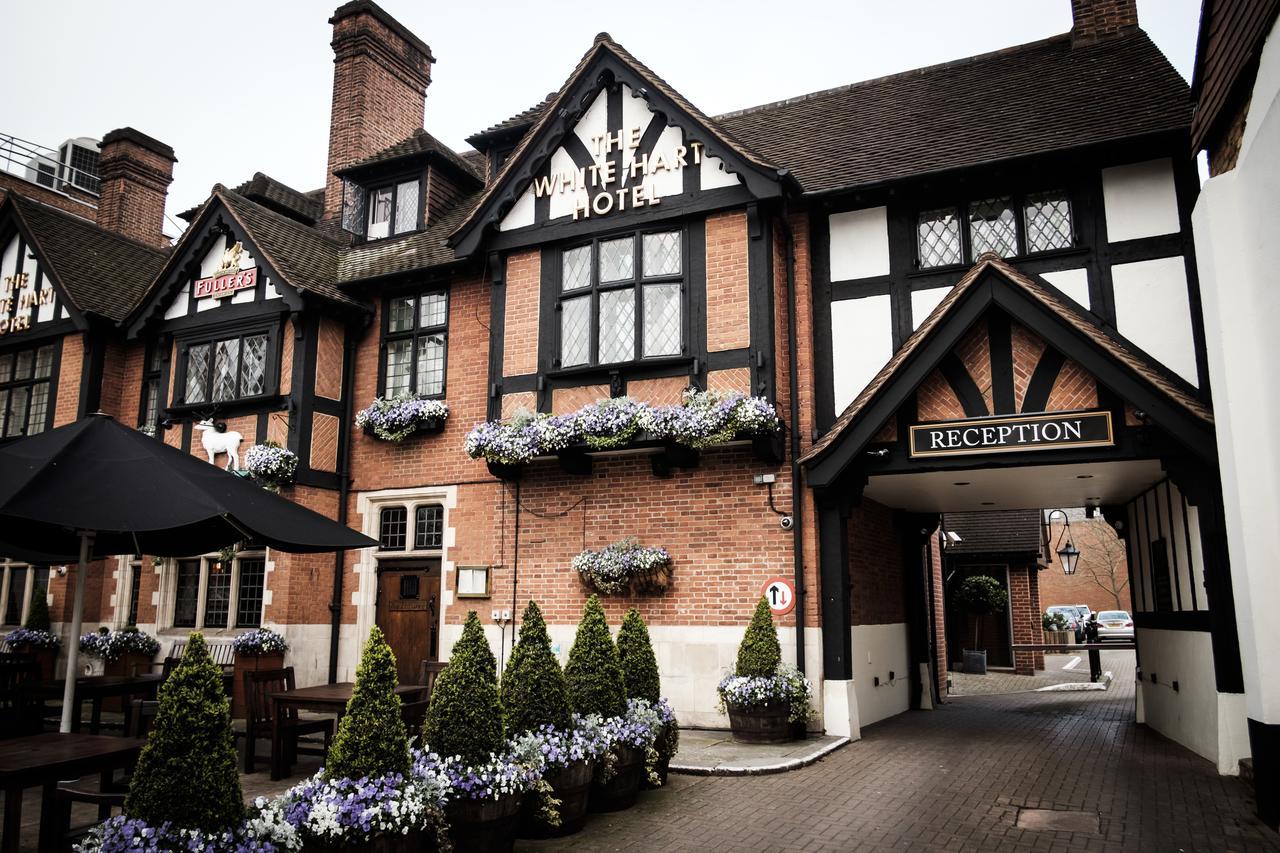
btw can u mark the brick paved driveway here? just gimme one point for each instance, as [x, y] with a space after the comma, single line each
[955, 779]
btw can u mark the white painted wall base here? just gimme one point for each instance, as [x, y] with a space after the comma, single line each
[879, 650]
[1207, 722]
[840, 709]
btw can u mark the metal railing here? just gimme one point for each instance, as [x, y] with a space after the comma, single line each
[42, 165]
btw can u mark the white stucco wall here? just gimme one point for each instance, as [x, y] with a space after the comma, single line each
[1236, 249]
[879, 650]
[861, 342]
[1140, 200]
[859, 244]
[1153, 310]
[1073, 283]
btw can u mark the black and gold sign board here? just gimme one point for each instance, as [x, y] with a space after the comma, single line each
[1012, 434]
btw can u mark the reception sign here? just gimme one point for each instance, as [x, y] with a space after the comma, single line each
[1012, 434]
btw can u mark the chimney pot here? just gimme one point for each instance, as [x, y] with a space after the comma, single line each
[135, 171]
[1096, 20]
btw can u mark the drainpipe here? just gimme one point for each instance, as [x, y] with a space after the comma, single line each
[797, 502]
[344, 491]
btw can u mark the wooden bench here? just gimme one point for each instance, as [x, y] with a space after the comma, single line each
[223, 654]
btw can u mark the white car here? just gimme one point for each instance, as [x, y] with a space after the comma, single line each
[1115, 625]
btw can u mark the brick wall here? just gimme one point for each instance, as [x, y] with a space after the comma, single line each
[936, 400]
[875, 566]
[70, 372]
[1095, 20]
[1025, 611]
[520, 321]
[82, 207]
[1074, 389]
[1101, 554]
[301, 584]
[974, 352]
[728, 306]
[939, 615]
[1027, 350]
[135, 172]
[380, 78]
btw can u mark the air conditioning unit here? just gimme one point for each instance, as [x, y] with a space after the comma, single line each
[76, 166]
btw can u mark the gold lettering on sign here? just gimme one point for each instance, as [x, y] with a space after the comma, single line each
[18, 311]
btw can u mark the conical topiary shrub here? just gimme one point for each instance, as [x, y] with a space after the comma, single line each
[38, 613]
[371, 739]
[534, 690]
[594, 672]
[760, 653]
[465, 717]
[474, 644]
[187, 771]
[639, 666]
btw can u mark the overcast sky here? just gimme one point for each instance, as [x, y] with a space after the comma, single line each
[239, 86]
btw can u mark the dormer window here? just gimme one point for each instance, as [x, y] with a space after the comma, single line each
[393, 209]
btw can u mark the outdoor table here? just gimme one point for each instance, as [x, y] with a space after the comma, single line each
[323, 698]
[95, 688]
[44, 760]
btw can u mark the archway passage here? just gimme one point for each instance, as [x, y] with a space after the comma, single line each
[1010, 397]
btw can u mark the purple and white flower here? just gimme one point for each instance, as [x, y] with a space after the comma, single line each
[33, 638]
[111, 645]
[271, 463]
[788, 687]
[260, 641]
[612, 569]
[396, 418]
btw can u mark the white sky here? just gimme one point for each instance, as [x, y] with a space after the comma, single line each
[239, 86]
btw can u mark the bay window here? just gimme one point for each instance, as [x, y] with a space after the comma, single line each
[622, 299]
[415, 344]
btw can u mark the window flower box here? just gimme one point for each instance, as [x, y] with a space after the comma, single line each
[397, 418]
[624, 567]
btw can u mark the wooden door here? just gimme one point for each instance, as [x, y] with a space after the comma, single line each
[408, 614]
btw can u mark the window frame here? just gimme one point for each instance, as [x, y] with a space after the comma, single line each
[638, 281]
[51, 380]
[1017, 200]
[388, 336]
[211, 335]
[231, 622]
[410, 509]
[153, 364]
[29, 570]
[392, 184]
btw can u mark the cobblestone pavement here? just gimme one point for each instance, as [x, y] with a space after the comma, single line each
[955, 779]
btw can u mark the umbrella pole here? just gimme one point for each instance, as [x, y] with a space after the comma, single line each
[73, 647]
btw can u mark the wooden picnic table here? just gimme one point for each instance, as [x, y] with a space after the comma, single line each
[95, 688]
[323, 698]
[44, 760]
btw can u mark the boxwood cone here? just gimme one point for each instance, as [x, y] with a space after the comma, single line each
[594, 671]
[639, 665]
[534, 690]
[187, 771]
[760, 653]
[371, 739]
[38, 613]
[465, 717]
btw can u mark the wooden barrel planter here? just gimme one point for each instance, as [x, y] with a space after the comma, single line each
[572, 787]
[762, 724]
[483, 825]
[621, 790]
[416, 841]
[249, 663]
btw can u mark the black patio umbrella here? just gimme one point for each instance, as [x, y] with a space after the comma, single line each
[96, 488]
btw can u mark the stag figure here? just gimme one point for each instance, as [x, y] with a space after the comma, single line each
[215, 441]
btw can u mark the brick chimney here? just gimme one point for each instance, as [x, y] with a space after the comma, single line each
[380, 77]
[1096, 20]
[135, 172]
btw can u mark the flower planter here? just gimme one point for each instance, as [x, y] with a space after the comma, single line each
[435, 425]
[47, 660]
[761, 724]
[621, 790]
[510, 473]
[483, 825]
[661, 768]
[128, 664]
[768, 448]
[415, 841]
[572, 787]
[250, 663]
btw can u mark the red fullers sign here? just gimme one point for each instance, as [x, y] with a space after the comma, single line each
[226, 283]
[1012, 434]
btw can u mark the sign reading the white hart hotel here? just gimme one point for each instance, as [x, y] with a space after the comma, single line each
[1012, 434]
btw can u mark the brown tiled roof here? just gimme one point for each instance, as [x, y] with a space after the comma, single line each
[303, 257]
[1080, 320]
[603, 42]
[266, 190]
[998, 532]
[418, 142]
[426, 248]
[1022, 101]
[520, 121]
[102, 273]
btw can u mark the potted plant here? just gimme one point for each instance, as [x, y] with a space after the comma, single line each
[623, 567]
[185, 792]
[980, 595]
[258, 649]
[373, 792]
[271, 465]
[397, 418]
[36, 638]
[464, 726]
[125, 652]
[764, 698]
[594, 674]
[642, 683]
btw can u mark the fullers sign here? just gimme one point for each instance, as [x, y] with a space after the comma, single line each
[226, 283]
[1012, 434]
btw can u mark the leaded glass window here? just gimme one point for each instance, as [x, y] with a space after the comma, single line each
[26, 378]
[393, 209]
[186, 594]
[253, 573]
[1048, 221]
[233, 368]
[151, 373]
[217, 594]
[938, 238]
[993, 227]
[1010, 226]
[416, 344]
[635, 303]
